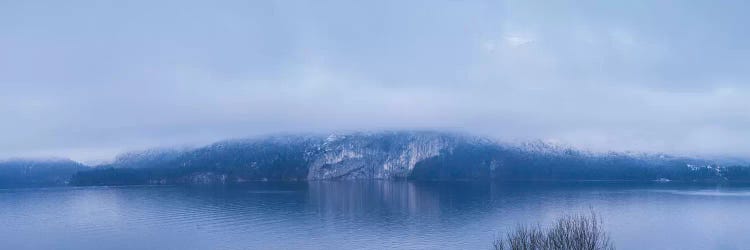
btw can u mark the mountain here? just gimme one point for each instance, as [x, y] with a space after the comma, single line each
[416, 155]
[38, 172]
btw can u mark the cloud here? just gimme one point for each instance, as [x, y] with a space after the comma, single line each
[517, 40]
[600, 76]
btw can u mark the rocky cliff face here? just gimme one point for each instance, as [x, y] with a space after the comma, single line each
[379, 156]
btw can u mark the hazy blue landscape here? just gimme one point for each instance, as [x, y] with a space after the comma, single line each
[381, 124]
[373, 190]
[392, 155]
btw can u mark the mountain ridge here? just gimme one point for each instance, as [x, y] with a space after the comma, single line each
[418, 155]
[52, 171]
[401, 154]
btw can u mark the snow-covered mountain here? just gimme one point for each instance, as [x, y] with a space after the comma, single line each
[419, 155]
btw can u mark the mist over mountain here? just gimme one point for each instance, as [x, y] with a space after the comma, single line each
[413, 155]
[38, 172]
[410, 155]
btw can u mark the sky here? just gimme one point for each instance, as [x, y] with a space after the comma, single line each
[91, 79]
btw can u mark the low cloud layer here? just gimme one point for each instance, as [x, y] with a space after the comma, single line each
[90, 79]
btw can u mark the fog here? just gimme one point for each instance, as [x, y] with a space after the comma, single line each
[90, 79]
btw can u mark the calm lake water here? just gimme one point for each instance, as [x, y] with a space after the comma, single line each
[365, 215]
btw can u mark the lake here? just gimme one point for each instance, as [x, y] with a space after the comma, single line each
[366, 215]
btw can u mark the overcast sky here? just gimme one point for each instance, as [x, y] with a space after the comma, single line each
[90, 79]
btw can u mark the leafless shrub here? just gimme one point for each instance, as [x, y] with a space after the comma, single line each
[570, 232]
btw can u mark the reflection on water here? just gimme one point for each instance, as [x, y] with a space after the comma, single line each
[366, 214]
[707, 192]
